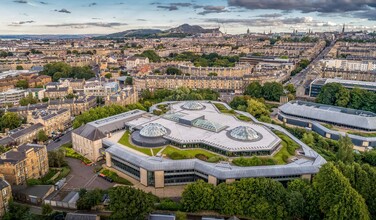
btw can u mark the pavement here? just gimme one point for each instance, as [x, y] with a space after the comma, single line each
[64, 139]
[82, 176]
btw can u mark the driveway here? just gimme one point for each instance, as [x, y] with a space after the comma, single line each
[82, 176]
[66, 138]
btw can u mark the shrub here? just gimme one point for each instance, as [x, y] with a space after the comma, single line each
[177, 156]
[201, 157]
[168, 204]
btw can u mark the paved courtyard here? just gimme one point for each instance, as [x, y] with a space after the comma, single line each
[82, 176]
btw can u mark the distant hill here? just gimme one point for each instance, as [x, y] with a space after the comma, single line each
[132, 33]
[191, 29]
[47, 36]
[181, 31]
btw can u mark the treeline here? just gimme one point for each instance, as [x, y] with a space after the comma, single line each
[338, 191]
[62, 70]
[206, 60]
[10, 120]
[148, 98]
[336, 94]
[256, 107]
[103, 112]
[270, 91]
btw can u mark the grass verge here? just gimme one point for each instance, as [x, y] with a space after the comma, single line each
[69, 152]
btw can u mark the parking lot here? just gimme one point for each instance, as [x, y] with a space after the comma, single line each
[82, 176]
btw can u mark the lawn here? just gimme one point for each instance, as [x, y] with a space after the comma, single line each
[179, 154]
[362, 134]
[223, 108]
[288, 148]
[124, 140]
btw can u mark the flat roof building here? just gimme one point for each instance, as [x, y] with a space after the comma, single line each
[189, 125]
[317, 84]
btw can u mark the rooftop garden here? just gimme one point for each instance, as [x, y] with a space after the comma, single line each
[180, 154]
[287, 150]
[362, 134]
[224, 110]
[124, 140]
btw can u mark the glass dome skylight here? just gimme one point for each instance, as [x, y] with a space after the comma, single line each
[208, 125]
[153, 130]
[193, 106]
[244, 133]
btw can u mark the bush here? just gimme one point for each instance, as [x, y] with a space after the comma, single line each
[215, 159]
[115, 177]
[201, 157]
[253, 161]
[168, 204]
[177, 156]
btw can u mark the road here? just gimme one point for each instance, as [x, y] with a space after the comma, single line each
[64, 139]
[299, 78]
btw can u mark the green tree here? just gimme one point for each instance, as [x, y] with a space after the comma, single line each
[152, 55]
[89, 199]
[56, 158]
[308, 139]
[198, 196]
[290, 88]
[342, 97]
[213, 74]
[173, 71]
[42, 136]
[329, 93]
[45, 99]
[257, 108]
[10, 120]
[254, 89]
[28, 100]
[18, 212]
[337, 199]
[19, 67]
[345, 150]
[130, 203]
[46, 209]
[129, 81]
[272, 91]
[108, 76]
[22, 84]
[302, 200]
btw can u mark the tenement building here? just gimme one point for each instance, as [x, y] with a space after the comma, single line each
[5, 195]
[135, 143]
[28, 161]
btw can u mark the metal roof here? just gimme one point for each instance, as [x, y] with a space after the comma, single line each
[332, 114]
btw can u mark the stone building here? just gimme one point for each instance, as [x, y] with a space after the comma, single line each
[52, 120]
[28, 161]
[5, 195]
[129, 96]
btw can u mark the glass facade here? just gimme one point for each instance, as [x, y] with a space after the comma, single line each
[176, 177]
[126, 167]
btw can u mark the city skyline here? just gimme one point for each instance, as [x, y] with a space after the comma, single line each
[232, 16]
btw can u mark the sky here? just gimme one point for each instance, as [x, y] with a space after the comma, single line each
[232, 16]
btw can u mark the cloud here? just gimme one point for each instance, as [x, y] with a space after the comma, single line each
[209, 9]
[19, 23]
[168, 7]
[63, 11]
[43, 3]
[140, 19]
[306, 6]
[267, 22]
[92, 4]
[87, 25]
[21, 1]
[273, 15]
[370, 14]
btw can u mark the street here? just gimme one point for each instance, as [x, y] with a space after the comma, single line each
[66, 138]
[299, 78]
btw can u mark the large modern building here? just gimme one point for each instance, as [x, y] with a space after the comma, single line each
[317, 84]
[188, 125]
[309, 114]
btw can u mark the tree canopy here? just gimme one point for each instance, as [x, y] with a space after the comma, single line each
[10, 120]
[130, 203]
[271, 91]
[62, 70]
[336, 94]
